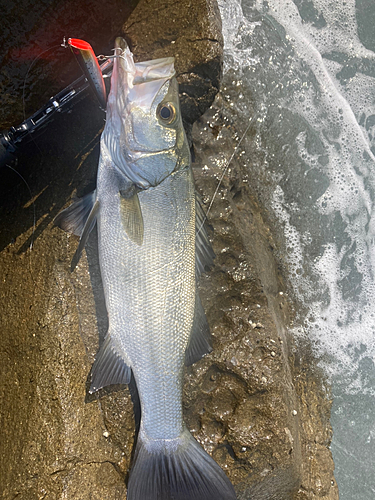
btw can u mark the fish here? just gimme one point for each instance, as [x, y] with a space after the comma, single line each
[152, 247]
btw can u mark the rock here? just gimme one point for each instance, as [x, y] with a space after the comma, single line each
[265, 397]
[240, 401]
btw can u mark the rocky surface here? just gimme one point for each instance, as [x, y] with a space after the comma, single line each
[257, 402]
[253, 403]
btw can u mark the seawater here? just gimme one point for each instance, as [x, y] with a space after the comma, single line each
[304, 72]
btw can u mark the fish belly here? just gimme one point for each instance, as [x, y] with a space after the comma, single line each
[150, 294]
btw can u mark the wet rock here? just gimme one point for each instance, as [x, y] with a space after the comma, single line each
[271, 404]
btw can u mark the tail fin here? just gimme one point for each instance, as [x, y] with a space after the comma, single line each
[177, 469]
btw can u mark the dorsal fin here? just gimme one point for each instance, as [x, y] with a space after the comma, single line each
[200, 342]
[73, 218]
[89, 225]
[204, 254]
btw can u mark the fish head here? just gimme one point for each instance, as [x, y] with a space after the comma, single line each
[144, 134]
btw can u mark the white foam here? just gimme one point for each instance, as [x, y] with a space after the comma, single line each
[316, 137]
[337, 321]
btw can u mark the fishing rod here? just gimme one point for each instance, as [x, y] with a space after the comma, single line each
[63, 101]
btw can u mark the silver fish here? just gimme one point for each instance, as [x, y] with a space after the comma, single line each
[152, 247]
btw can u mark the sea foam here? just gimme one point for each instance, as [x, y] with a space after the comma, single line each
[323, 200]
[307, 71]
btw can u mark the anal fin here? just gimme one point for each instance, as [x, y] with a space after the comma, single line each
[109, 367]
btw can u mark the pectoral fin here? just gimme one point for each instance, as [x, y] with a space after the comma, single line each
[90, 223]
[131, 216]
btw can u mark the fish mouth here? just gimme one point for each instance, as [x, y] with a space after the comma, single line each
[135, 82]
[138, 82]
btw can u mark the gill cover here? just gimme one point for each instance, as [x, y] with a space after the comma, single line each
[144, 134]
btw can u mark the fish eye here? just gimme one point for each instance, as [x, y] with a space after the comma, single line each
[166, 113]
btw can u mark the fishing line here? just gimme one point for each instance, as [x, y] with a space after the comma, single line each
[32, 138]
[268, 19]
[255, 117]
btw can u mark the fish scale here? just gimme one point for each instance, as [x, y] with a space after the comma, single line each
[149, 314]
